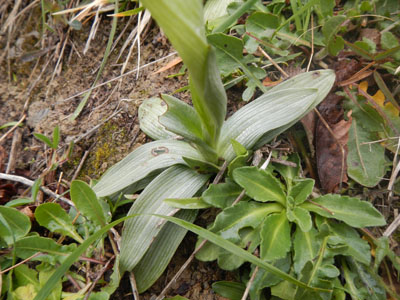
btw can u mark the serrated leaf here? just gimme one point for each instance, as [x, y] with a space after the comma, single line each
[221, 195]
[350, 210]
[87, 202]
[160, 253]
[270, 111]
[54, 218]
[138, 233]
[183, 24]
[181, 119]
[275, 237]
[259, 184]
[229, 289]
[306, 246]
[187, 203]
[51, 252]
[17, 222]
[301, 190]
[141, 162]
[149, 112]
[301, 217]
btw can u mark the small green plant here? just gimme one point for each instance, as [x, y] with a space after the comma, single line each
[310, 239]
[193, 142]
[24, 282]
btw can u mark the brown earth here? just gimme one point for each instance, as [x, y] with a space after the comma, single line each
[30, 85]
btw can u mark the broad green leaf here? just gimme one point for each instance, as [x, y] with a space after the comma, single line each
[222, 195]
[262, 25]
[238, 162]
[149, 112]
[322, 80]
[242, 215]
[301, 190]
[18, 223]
[301, 217]
[229, 289]
[214, 9]
[201, 166]
[181, 119]
[328, 271]
[350, 210]
[87, 202]
[230, 56]
[389, 40]
[183, 23]
[331, 27]
[259, 184]
[238, 148]
[393, 52]
[25, 275]
[141, 162]
[306, 246]
[270, 111]
[365, 162]
[54, 218]
[139, 233]
[160, 253]
[275, 237]
[50, 251]
[187, 203]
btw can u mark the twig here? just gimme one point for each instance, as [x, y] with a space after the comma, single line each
[395, 172]
[392, 227]
[253, 276]
[133, 286]
[286, 75]
[284, 162]
[20, 263]
[221, 172]
[322, 207]
[102, 271]
[312, 42]
[29, 182]
[83, 159]
[14, 146]
[12, 128]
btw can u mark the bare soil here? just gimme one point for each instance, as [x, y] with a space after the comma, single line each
[40, 92]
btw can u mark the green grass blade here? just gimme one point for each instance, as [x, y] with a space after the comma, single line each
[236, 15]
[236, 250]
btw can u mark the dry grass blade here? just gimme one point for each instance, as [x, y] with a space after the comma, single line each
[168, 66]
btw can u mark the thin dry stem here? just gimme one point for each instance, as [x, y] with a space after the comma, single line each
[312, 43]
[248, 286]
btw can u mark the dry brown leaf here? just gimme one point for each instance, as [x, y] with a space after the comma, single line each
[331, 161]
